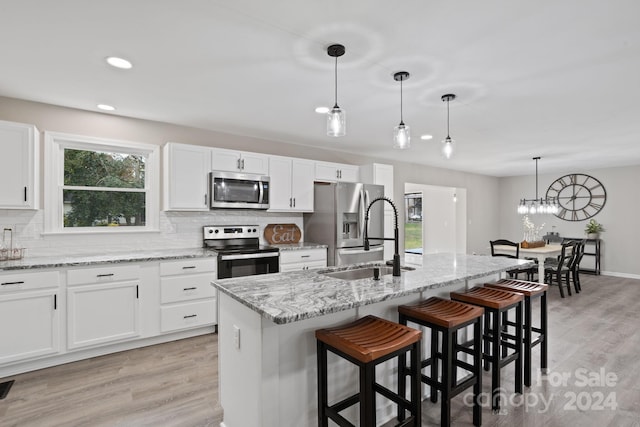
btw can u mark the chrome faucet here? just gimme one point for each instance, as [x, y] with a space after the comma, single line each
[396, 255]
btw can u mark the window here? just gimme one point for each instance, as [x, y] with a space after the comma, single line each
[100, 185]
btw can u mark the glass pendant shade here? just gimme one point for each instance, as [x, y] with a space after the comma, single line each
[336, 122]
[447, 147]
[401, 137]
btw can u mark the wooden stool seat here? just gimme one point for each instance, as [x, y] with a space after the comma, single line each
[366, 343]
[490, 298]
[445, 318]
[529, 289]
[497, 303]
[369, 338]
[441, 312]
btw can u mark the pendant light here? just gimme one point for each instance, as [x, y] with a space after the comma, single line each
[548, 205]
[401, 133]
[447, 144]
[336, 117]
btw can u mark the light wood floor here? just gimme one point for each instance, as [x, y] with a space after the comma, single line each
[176, 384]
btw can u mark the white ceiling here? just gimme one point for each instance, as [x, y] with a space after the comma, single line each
[549, 78]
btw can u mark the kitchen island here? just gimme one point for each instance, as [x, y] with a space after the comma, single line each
[267, 348]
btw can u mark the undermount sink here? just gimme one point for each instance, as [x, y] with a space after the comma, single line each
[362, 273]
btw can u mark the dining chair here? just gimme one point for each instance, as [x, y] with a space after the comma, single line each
[528, 271]
[575, 268]
[559, 273]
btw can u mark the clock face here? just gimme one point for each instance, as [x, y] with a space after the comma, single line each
[579, 196]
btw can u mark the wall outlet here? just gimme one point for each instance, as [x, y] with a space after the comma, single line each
[236, 336]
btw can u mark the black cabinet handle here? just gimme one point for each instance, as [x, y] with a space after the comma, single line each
[188, 267]
[105, 275]
[12, 283]
[137, 293]
[55, 301]
[305, 256]
[25, 194]
[190, 316]
[189, 289]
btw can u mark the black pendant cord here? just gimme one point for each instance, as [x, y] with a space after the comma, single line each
[336, 84]
[401, 120]
[448, 137]
[536, 159]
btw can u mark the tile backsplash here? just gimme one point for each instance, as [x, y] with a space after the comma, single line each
[177, 230]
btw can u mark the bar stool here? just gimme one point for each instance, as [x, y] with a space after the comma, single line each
[447, 317]
[495, 302]
[366, 343]
[530, 290]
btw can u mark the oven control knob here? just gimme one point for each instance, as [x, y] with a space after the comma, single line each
[217, 231]
[254, 230]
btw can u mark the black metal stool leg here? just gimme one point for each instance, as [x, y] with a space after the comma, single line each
[323, 421]
[447, 377]
[527, 341]
[543, 326]
[518, 349]
[477, 371]
[495, 361]
[434, 364]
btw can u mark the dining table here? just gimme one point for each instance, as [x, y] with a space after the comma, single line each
[540, 253]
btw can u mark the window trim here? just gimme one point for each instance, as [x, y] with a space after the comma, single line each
[54, 145]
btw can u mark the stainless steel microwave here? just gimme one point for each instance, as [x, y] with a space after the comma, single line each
[238, 190]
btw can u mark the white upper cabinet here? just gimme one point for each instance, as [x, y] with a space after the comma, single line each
[186, 170]
[239, 161]
[19, 166]
[332, 172]
[291, 184]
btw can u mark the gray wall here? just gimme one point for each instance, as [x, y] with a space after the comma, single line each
[619, 215]
[482, 191]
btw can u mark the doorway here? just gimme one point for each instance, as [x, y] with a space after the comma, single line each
[435, 221]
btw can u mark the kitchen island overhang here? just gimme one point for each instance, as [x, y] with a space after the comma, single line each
[266, 331]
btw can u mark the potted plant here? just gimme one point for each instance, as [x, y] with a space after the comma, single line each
[593, 229]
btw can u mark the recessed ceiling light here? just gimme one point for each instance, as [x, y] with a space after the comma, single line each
[114, 61]
[322, 110]
[426, 137]
[106, 107]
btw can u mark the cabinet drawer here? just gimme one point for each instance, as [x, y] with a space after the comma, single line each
[299, 266]
[29, 281]
[185, 288]
[188, 266]
[188, 315]
[103, 274]
[305, 255]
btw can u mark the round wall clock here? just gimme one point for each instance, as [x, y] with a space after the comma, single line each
[579, 196]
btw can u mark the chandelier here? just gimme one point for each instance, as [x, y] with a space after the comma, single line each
[547, 205]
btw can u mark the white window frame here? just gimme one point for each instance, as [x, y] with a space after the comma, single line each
[54, 145]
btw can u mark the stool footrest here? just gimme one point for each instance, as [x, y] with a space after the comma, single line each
[345, 403]
[404, 403]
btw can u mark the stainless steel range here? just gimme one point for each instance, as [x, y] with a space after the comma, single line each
[239, 250]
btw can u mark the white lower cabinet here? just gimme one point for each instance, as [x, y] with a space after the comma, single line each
[103, 306]
[303, 259]
[187, 299]
[29, 316]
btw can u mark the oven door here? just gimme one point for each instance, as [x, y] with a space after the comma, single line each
[239, 264]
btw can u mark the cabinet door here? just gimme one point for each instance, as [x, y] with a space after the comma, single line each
[30, 325]
[225, 160]
[327, 171]
[254, 163]
[349, 173]
[302, 176]
[100, 314]
[186, 177]
[19, 166]
[280, 180]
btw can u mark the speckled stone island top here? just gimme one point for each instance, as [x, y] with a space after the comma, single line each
[293, 296]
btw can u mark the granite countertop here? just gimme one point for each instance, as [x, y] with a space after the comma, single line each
[293, 296]
[299, 246]
[105, 258]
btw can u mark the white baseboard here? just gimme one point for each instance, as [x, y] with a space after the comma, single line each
[624, 275]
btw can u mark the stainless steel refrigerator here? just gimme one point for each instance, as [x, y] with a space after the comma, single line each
[338, 221]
